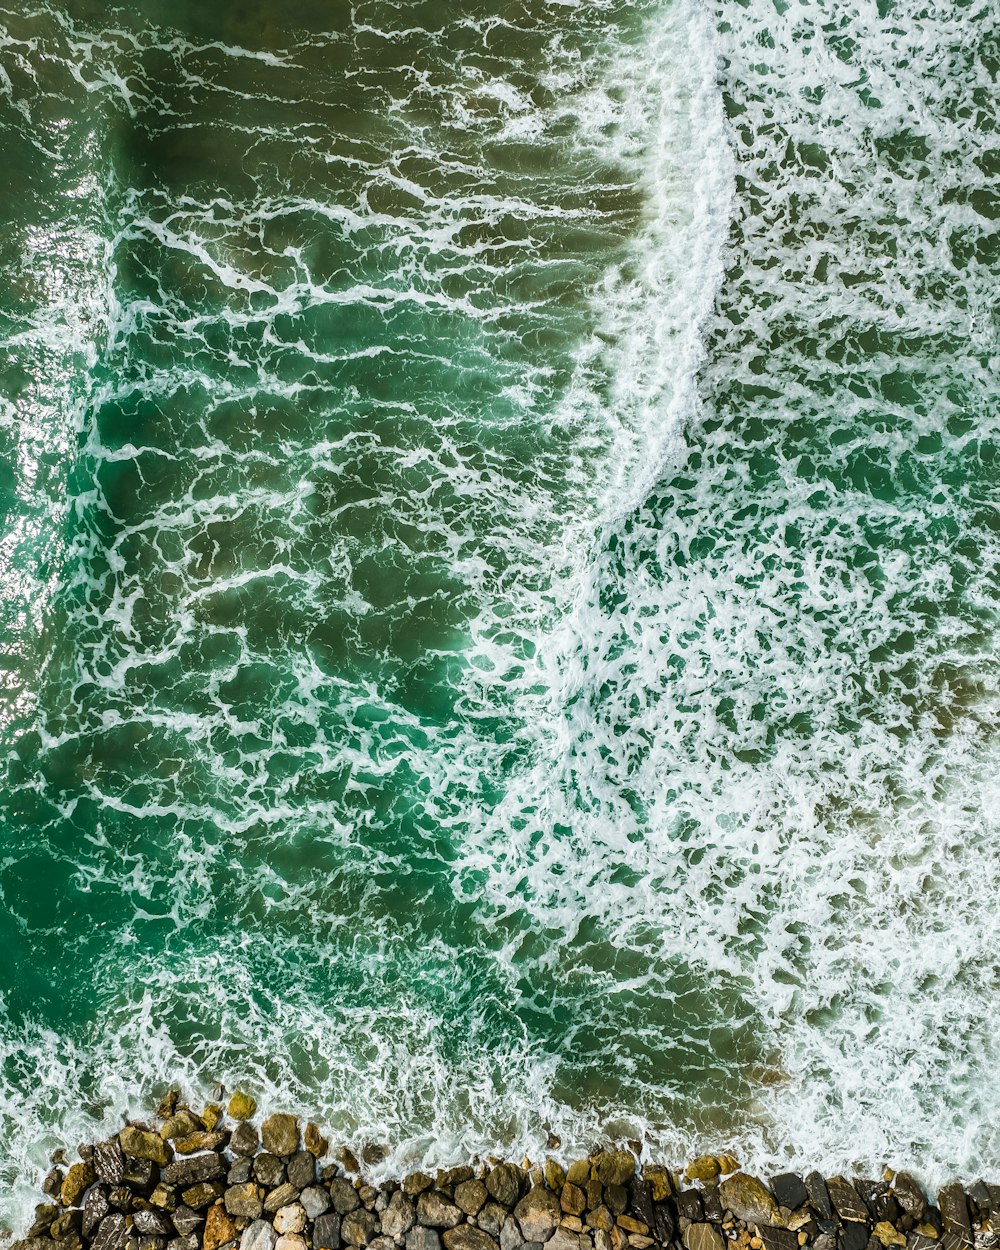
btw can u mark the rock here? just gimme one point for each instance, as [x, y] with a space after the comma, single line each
[572, 1199]
[711, 1203]
[434, 1210]
[373, 1154]
[663, 1222]
[555, 1177]
[326, 1233]
[219, 1228]
[420, 1238]
[290, 1241]
[242, 1202]
[109, 1162]
[909, 1195]
[778, 1238]
[888, 1235]
[601, 1219]
[77, 1181]
[65, 1224]
[190, 1242]
[382, 1243]
[344, 1196]
[789, 1190]
[95, 1208]
[848, 1203]
[689, 1206]
[470, 1196]
[563, 1239]
[240, 1172]
[416, 1183]
[616, 1198]
[491, 1218]
[853, 1236]
[578, 1173]
[194, 1168]
[538, 1214]
[704, 1168]
[510, 1235]
[615, 1167]
[110, 1234]
[201, 1140]
[954, 1216]
[258, 1236]
[632, 1226]
[819, 1197]
[504, 1184]
[140, 1173]
[465, 1237]
[749, 1200]
[268, 1169]
[283, 1196]
[241, 1106]
[291, 1219]
[244, 1140]
[315, 1200]
[182, 1124]
[185, 1220]
[658, 1179]
[140, 1143]
[358, 1227]
[315, 1142]
[164, 1197]
[398, 1216]
[280, 1134]
[200, 1195]
[301, 1169]
[348, 1160]
[152, 1224]
[702, 1237]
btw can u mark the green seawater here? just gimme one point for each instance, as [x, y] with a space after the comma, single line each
[498, 562]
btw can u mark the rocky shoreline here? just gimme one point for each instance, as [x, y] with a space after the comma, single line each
[212, 1180]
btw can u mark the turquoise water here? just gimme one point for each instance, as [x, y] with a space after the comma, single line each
[499, 558]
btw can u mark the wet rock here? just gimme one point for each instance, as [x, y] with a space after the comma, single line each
[201, 1140]
[616, 1198]
[704, 1168]
[538, 1214]
[572, 1199]
[420, 1238]
[301, 1169]
[45, 1213]
[326, 1233]
[259, 1236]
[702, 1237]
[416, 1183]
[140, 1143]
[268, 1169]
[504, 1184]
[194, 1169]
[491, 1218]
[885, 1208]
[663, 1222]
[75, 1184]
[344, 1196]
[291, 1219]
[315, 1142]
[642, 1200]
[615, 1167]
[578, 1173]
[108, 1161]
[658, 1179]
[185, 1220]
[240, 1172]
[853, 1236]
[789, 1190]
[241, 1106]
[979, 1193]
[436, 1211]
[373, 1154]
[601, 1218]
[819, 1197]
[95, 1208]
[242, 1202]
[470, 1196]
[348, 1160]
[152, 1224]
[200, 1195]
[181, 1124]
[778, 1238]
[110, 1233]
[280, 1134]
[358, 1228]
[244, 1140]
[594, 1191]
[398, 1216]
[749, 1200]
[315, 1200]
[954, 1217]
[465, 1237]
[368, 1195]
[848, 1203]
[140, 1174]
[711, 1203]
[283, 1196]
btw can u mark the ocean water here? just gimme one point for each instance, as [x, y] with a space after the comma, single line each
[499, 549]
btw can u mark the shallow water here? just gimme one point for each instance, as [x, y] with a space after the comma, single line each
[499, 555]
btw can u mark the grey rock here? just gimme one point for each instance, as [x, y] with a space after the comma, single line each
[382, 1243]
[538, 1213]
[290, 1219]
[258, 1236]
[491, 1218]
[416, 1183]
[563, 1239]
[470, 1196]
[420, 1238]
[511, 1237]
[504, 1184]
[280, 1197]
[465, 1237]
[326, 1233]
[140, 1173]
[190, 1242]
[344, 1196]
[151, 1224]
[398, 1216]
[315, 1200]
[358, 1227]
[702, 1237]
[663, 1222]
[434, 1210]
[185, 1220]
[242, 1201]
[302, 1169]
[195, 1168]
[108, 1161]
[110, 1233]
[853, 1236]
[280, 1134]
[244, 1140]
[149, 1241]
[240, 1172]
[689, 1206]
[268, 1169]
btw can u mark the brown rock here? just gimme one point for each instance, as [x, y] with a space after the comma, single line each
[470, 1196]
[201, 1140]
[888, 1235]
[578, 1173]
[358, 1227]
[538, 1214]
[181, 1124]
[140, 1143]
[280, 1134]
[704, 1168]
[416, 1183]
[572, 1199]
[504, 1184]
[243, 1202]
[75, 1184]
[658, 1179]
[219, 1228]
[315, 1142]
[241, 1106]
[200, 1195]
[280, 1197]
[344, 1196]
[602, 1219]
[398, 1216]
[465, 1237]
[434, 1210]
[632, 1226]
[615, 1167]
[555, 1177]
[290, 1219]
[703, 1237]
[750, 1200]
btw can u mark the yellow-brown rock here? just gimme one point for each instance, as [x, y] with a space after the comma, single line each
[75, 1184]
[749, 1200]
[658, 1179]
[888, 1235]
[219, 1228]
[241, 1106]
[704, 1168]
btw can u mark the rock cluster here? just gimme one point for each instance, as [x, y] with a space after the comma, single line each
[214, 1181]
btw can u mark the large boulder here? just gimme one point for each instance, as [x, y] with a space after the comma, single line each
[615, 1167]
[538, 1213]
[140, 1143]
[398, 1216]
[750, 1200]
[465, 1237]
[280, 1134]
[504, 1184]
[434, 1210]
